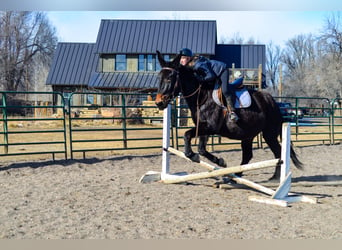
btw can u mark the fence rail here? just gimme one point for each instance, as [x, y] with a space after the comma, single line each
[20, 137]
[117, 122]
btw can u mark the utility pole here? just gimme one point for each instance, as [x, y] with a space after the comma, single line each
[280, 84]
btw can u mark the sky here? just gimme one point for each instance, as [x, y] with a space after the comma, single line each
[263, 26]
[263, 20]
[174, 5]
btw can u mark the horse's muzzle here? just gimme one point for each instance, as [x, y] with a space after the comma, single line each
[161, 105]
[161, 101]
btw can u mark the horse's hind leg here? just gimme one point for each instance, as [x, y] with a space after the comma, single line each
[202, 150]
[247, 152]
[275, 147]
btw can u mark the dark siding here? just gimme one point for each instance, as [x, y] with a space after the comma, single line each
[243, 56]
[73, 64]
[147, 36]
[229, 54]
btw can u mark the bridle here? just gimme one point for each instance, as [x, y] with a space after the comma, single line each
[177, 79]
[177, 83]
[193, 93]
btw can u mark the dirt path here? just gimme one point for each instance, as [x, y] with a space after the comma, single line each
[101, 198]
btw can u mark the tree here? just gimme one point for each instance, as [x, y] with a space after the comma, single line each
[273, 56]
[237, 39]
[26, 39]
[299, 57]
[332, 36]
[331, 41]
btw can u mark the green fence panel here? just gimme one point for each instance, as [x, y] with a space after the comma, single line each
[336, 116]
[310, 119]
[81, 123]
[30, 126]
[113, 122]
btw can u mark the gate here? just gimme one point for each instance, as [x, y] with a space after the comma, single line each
[312, 119]
[336, 117]
[113, 122]
[28, 126]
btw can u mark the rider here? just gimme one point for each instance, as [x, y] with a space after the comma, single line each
[208, 71]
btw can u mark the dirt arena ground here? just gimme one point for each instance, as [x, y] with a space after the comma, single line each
[101, 198]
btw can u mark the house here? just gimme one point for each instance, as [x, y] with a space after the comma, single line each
[124, 55]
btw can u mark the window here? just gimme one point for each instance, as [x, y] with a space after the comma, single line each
[67, 97]
[106, 100]
[107, 63]
[90, 99]
[120, 62]
[141, 63]
[150, 63]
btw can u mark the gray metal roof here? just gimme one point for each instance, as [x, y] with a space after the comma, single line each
[73, 64]
[124, 80]
[147, 36]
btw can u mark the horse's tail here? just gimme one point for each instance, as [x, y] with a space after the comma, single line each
[298, 164]
[278, 119]
[293, 155]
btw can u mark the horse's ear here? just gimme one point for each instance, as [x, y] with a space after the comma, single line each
[175, 62]
[161, 59]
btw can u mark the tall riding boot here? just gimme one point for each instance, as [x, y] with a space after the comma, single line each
[231, 109]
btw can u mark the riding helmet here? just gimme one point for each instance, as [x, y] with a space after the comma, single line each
[185, 52]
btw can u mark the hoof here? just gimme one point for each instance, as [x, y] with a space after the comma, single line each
[274, 178]
[193, 157]
[227, 180]
[221, 163]
[240, 174]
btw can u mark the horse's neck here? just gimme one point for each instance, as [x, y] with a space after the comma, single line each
[196, 96]
[190, 87]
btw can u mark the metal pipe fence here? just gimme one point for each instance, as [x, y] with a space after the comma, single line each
[91, 123]
[28, 126]
[116, 125]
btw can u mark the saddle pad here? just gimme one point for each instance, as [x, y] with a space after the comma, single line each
[243, 98]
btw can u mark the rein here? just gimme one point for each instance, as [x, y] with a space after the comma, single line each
[177, 82]
[192, 94]
[198, 111]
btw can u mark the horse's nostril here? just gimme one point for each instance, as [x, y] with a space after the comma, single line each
[160, 105]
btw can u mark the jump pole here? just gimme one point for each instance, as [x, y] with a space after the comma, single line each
[166, 177]
[280, 196]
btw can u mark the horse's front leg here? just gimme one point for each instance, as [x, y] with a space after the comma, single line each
[188, 135]
[202, 150]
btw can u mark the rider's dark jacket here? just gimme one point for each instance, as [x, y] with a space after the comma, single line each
[209, 70]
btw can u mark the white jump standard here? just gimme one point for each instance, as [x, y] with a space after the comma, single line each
[280, 196]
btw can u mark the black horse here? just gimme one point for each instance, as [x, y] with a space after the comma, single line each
[262, 116]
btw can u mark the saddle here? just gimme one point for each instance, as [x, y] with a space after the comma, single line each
[242, 96]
